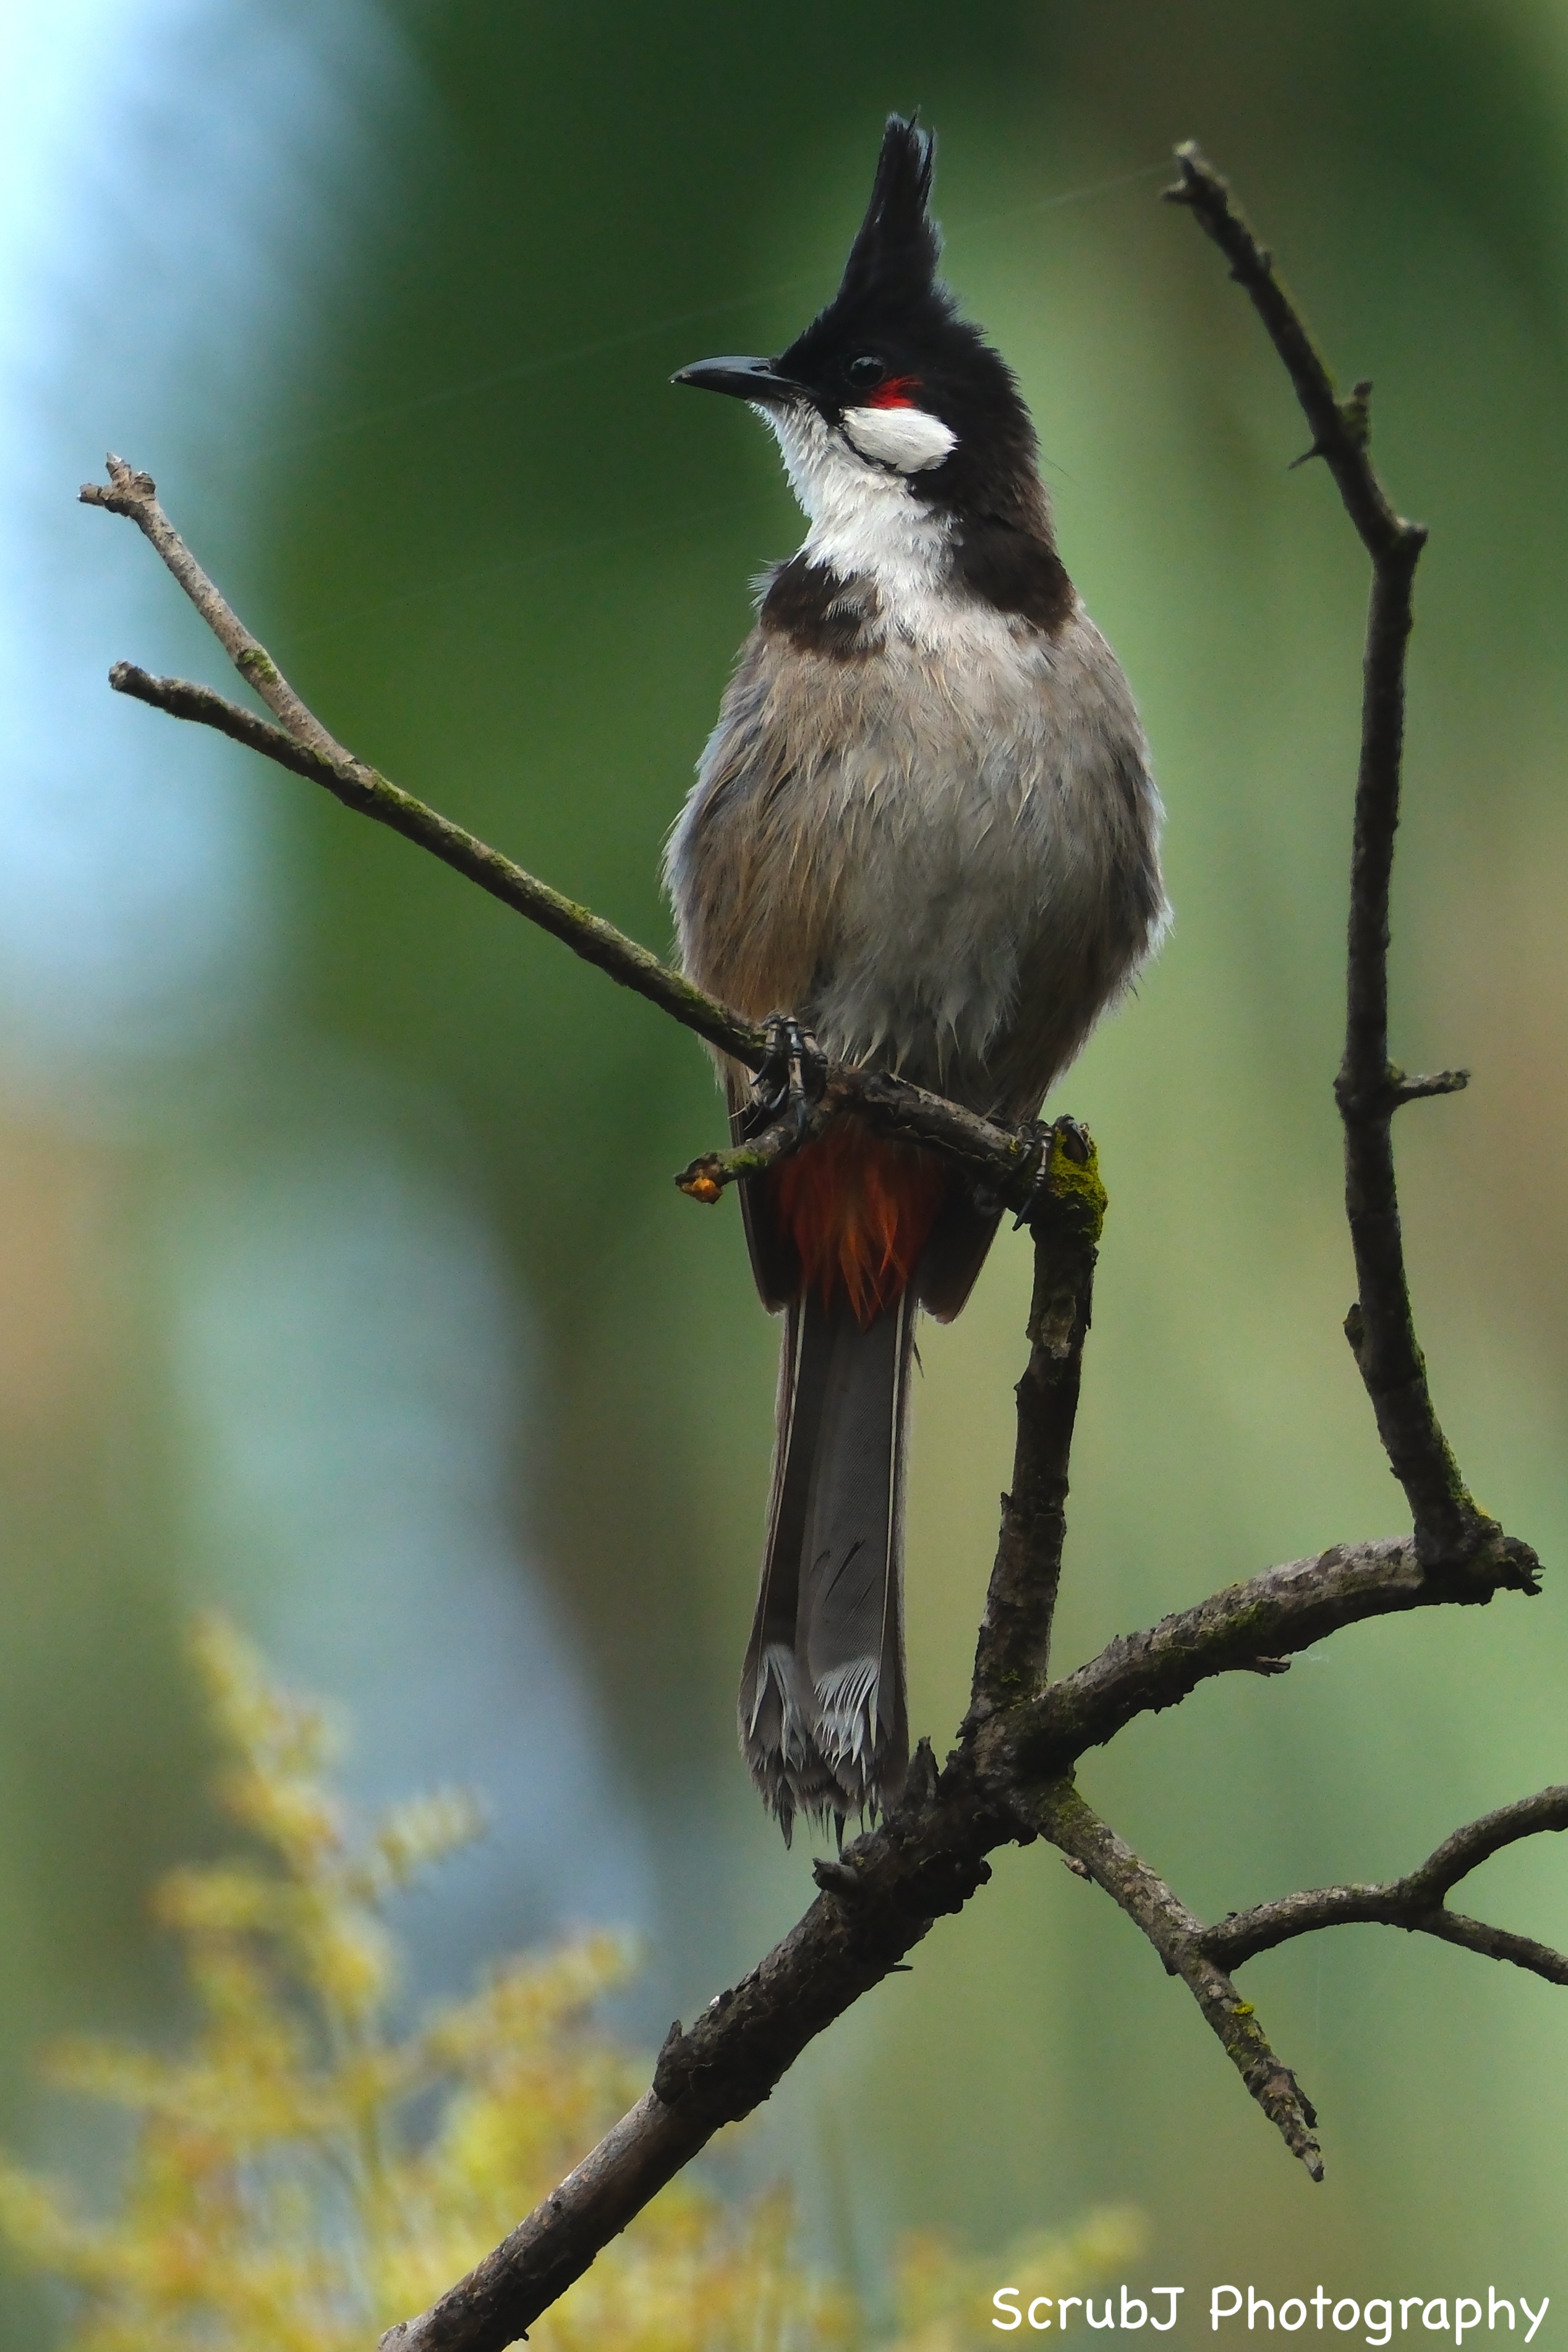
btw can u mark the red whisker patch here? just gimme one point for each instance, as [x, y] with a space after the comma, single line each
[895, 393]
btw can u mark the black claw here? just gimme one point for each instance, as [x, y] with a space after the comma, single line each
[791, 1079]
[769, 1084]
[1026, 1216]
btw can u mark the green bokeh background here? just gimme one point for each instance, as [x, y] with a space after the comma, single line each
[511, 566]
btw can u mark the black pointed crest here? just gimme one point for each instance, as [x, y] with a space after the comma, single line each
[896, 250]
[893, 319]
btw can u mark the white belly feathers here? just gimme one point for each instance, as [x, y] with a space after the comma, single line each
[931, 845]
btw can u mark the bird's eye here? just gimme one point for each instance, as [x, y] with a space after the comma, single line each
[865, 373]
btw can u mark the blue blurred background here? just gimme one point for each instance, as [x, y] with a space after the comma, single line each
[342, 1279]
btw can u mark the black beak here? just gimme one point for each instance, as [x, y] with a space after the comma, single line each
[746, 379]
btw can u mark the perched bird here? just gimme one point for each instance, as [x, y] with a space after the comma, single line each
[924, 827]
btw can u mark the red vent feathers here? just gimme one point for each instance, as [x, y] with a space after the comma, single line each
[858, 1212]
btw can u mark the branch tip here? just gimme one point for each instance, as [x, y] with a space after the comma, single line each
[126, 491]
[1436, 1082]
[1179, 1938]
[705, 1178]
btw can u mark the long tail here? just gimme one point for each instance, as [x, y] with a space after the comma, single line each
[823, 1722]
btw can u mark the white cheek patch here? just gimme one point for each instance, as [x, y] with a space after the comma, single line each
[905, 438]
[868, 521]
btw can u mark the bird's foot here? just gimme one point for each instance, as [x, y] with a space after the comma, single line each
[1059, 1138]
[791, 1079]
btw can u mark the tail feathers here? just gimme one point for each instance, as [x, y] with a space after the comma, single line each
[823, 1718]
[777, 1734]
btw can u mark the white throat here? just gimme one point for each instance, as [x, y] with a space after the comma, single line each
[866, 519]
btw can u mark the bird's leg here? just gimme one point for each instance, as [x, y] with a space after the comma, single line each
[790, 1080]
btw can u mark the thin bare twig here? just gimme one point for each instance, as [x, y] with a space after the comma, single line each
[1369, 1089]
[1005, 1159]
[1183, 1944]
[1415, 1902]
[135, 495]
[369, 793]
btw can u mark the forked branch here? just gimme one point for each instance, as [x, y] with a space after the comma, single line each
[369, 793]
[1005, 1160]
[1416, 1903]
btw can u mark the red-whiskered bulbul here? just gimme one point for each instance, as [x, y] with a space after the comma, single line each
[924, 827]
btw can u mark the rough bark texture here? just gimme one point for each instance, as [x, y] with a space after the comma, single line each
[1013, 1655]
[1380, 1327]
[1178, 1938]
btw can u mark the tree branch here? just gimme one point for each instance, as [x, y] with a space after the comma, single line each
[881, 1897]
[1270, 1617]
[1009, 1778]
[1414, 1903]
[884, 1892]
[1015, 1644]
[1381, 1325]
[1183, 1944]
[135, 496]
[1005, 1159]
[369, 793]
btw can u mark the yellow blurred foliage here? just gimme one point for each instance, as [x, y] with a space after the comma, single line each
[279, 2195]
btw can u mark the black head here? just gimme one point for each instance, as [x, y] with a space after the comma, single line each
[891, 340]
